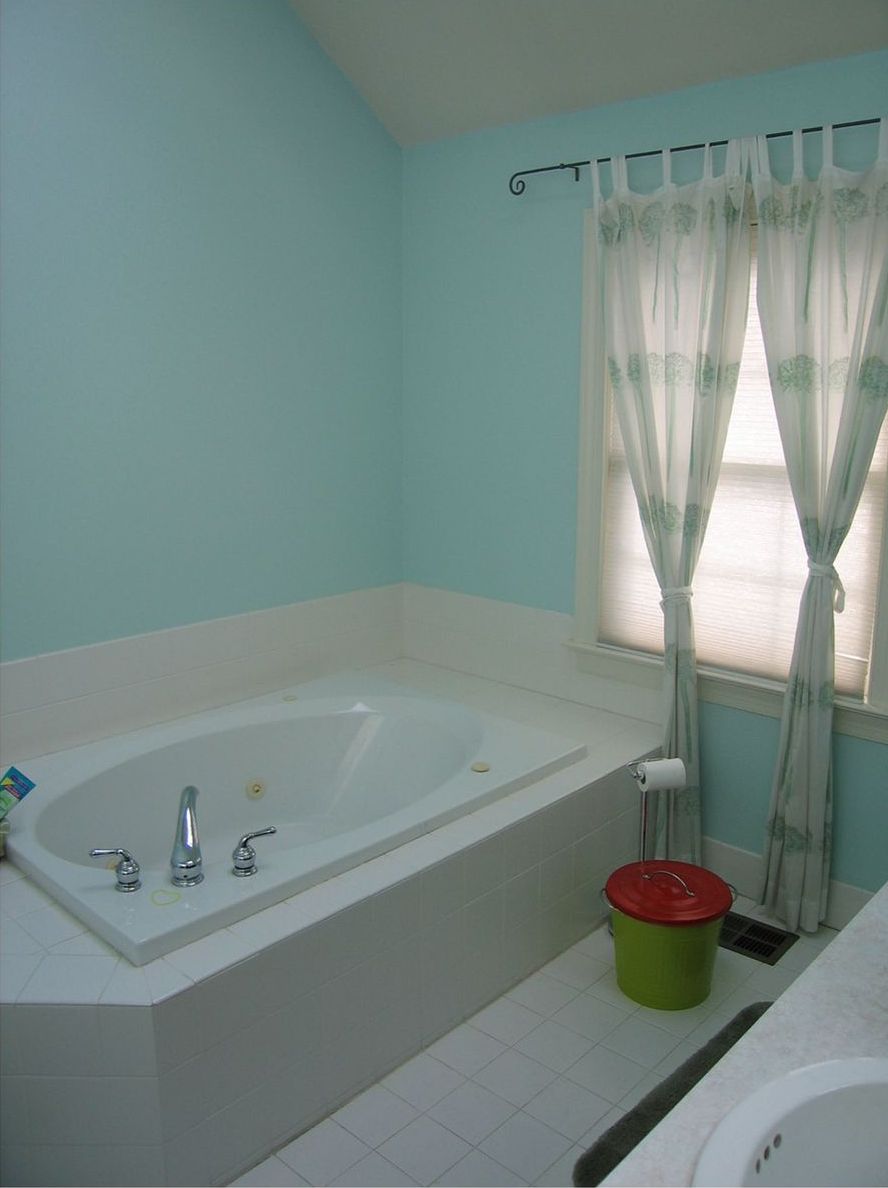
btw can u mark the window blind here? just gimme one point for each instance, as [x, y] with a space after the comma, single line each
[752, 567]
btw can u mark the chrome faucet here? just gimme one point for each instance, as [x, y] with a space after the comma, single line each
[186, 859]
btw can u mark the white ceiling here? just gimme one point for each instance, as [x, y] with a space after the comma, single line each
[437, 68]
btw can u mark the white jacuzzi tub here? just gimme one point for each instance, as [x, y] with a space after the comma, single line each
[346, 769]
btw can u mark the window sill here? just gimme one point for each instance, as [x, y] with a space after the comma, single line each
[756, 695]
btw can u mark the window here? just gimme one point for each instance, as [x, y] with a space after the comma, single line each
[752, 566]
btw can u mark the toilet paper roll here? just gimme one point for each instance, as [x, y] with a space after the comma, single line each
[656, 774]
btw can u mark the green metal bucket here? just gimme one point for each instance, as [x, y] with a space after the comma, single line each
[667, 917]
[662, 966]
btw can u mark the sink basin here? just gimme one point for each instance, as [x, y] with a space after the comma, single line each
[825, 1124]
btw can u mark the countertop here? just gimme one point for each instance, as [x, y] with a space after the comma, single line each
[837, 1008]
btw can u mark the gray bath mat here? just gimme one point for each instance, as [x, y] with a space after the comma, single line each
[616, 1143]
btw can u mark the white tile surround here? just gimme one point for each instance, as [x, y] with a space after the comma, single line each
[515, 645]
[62, 699]
[191, 1068]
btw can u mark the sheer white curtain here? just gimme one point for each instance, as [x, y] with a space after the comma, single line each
[671, 274]
[823, 303]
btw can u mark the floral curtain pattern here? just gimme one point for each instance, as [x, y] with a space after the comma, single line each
[672, 277]
[823, 303]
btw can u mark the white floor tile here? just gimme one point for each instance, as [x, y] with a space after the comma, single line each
[679, 1023]
[423, 1081]
[324, 1152]
[568, 1108]
[71, 979]
[710, 1027]
[575, 968]
[554, 1045]
[675, 1059]
[607, 990]
[772, 980]
[51, 925]
[424, 1150]
[800, 955]
[598, 944]
[591, 1017]
[543, 994]
[466, 1049]
[478, 1170]
[525, 1145]
[16, 941]
[373, 1170]
[506, 1020]
[637, 1092]
[472, 1112]
[561, 1171]
[743, 996]
[730, 970]
[514, 1077]
[606, 1073]
[375, 1115]
[270, 1173]
[603, 1124]
[641, 1042]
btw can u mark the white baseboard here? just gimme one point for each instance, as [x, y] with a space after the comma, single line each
[742, 869]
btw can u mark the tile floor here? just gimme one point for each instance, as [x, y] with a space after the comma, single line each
[515, 1094]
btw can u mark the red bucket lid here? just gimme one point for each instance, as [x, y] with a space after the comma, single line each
[662, 892]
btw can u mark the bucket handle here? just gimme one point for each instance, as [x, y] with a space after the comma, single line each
[672, 875]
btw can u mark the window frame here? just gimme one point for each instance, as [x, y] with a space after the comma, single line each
[866, 719]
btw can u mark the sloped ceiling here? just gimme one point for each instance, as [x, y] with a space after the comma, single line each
[437, 68]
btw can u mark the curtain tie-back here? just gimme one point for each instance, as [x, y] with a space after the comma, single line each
[816, 569]
[675, 594]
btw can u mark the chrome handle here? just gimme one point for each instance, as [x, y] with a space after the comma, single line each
[127, 869]
[244, 856]
[672, 875]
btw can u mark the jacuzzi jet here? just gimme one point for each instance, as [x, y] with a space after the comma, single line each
[480, 766]
[255, 790]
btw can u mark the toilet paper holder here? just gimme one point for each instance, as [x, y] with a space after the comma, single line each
[653, 775]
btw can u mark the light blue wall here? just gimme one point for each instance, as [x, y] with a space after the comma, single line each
[737, 765]
[201, 319]
[202, 341]
[492, 299]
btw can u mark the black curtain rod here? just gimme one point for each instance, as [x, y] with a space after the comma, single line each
[517, 186]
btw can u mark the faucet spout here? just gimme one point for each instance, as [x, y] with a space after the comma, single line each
[186, 859]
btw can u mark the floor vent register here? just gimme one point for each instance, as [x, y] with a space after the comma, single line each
[762, 942]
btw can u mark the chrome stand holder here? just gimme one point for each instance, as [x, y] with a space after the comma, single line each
[632, 768]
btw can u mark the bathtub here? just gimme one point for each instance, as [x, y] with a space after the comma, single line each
[344, 768]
